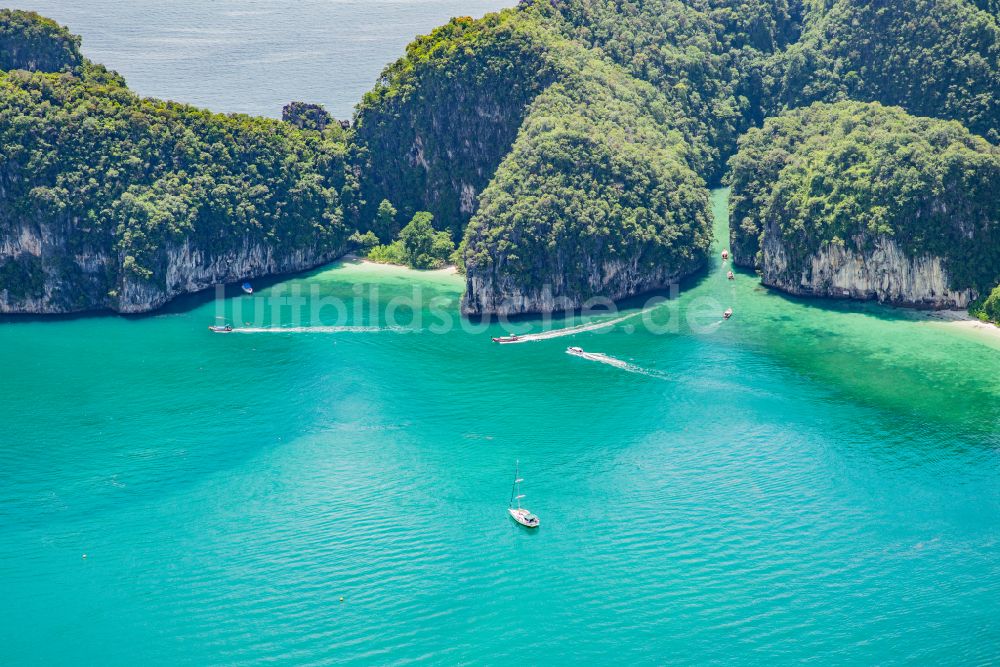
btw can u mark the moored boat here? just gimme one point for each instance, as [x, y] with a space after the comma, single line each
[520, 514]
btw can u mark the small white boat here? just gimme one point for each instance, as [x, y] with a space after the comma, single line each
[727, 314]
[505, 340]
[223, 328]
[520, 514]
[575, 351]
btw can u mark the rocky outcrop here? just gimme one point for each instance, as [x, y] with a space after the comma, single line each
[440, 120]
[40, 274]
[496, 293]
[192, 269]
[306, 116]
[599, 203]
[882, 271]
[32, 42]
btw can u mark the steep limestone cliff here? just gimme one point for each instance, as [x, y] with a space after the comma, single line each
[41, 273]
[495, 292]
[191, 268]
[882, 272]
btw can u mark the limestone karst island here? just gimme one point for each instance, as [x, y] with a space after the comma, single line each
[293, 296]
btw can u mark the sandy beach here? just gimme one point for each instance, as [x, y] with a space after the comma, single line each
[449, 270]
[960, 320]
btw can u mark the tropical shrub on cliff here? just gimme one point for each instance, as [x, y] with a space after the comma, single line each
[937, 58]
[704, 56]
[989, 310]
[419, 246]
[848, 172]
[32, 42]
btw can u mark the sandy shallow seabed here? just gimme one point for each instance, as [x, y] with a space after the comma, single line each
[960, 320]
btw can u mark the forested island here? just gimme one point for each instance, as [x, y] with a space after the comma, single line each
[558, 151]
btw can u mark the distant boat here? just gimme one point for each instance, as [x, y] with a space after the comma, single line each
[519, 514]
[725, 254]
[731, 276]
[575, 351]
[223, 328]
[248, 288]
[728, 314]
[503, 340]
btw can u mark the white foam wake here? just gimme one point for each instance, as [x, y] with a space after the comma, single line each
[322, 330]
[580, 328]
[618, 363]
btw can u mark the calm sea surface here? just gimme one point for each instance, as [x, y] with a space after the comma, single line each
[809, 481]
[253, 56]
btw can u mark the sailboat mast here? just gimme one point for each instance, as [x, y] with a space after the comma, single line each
[513, 487]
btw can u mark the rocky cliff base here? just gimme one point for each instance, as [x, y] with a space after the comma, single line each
[94, 280]
[495, 293]
[881, 272]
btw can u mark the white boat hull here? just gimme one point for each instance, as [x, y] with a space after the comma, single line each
[524, 517]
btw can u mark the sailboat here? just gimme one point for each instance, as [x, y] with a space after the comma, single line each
[520, 514]
[225, 327]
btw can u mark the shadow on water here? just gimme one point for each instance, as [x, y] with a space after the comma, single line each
[830, 305]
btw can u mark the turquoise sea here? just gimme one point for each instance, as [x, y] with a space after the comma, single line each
[806, 482]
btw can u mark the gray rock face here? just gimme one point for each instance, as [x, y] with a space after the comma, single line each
[91, 279]
[884, 273]
[491, 292]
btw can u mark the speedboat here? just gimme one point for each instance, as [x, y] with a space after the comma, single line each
[520, 514]
[225, 327]
[725, 254]
[502, 340]
[731, 276]
[575, 351]
[248, 288]
[728, 314]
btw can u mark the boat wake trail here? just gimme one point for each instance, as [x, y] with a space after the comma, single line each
[580, 328]
[322, 330]
[618, 363]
